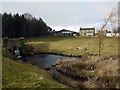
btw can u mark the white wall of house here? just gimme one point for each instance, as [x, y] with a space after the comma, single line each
[89, 34]
[66, 32]
[74, 34]
[108, 34]
[112, 35]
[117, 34]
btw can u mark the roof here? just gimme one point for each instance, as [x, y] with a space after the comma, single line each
[87, 28]
[64, 30]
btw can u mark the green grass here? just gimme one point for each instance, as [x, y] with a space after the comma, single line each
[0, 68]
[17, 74]
[68, 45]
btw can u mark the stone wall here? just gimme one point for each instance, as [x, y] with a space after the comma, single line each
[9, 44]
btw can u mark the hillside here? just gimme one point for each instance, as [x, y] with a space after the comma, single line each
[17, 74]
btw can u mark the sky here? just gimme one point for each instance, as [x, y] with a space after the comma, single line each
[63, 15]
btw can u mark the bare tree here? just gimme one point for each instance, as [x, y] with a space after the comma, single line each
[101, 35]
[115, 30]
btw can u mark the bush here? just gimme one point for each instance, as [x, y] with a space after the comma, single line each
[22, 41]
[28, 49]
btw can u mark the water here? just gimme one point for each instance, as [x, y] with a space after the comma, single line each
[46, 60]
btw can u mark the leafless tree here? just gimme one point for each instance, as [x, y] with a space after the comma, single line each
[112, 18]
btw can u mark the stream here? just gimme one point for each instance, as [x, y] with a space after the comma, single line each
[47, 60]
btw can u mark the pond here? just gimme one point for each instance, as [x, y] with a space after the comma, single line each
[46, 60]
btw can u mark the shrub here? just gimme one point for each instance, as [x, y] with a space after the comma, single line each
[27, 48]
[22, 41]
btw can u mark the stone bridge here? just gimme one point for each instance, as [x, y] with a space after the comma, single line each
[11, 43]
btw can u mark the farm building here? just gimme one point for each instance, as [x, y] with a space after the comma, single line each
[87, 32]
[64, 32]
[112, 34]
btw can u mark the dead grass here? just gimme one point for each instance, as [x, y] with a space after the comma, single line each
[93, 72]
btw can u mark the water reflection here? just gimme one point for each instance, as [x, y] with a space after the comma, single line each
[45, 60]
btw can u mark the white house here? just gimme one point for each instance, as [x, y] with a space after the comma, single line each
[87, 31]
[112, 34]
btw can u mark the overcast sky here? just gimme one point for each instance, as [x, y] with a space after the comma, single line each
[68, 15]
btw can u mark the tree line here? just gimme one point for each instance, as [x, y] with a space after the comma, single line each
[15, 26]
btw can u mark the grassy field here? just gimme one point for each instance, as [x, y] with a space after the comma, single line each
[17, 74]
[104, 69]
[68, 45]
